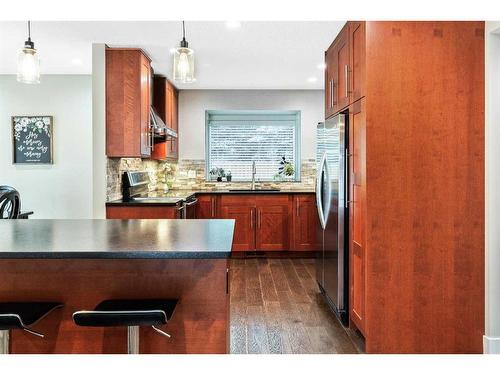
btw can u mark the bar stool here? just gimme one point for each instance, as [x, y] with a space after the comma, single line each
[10, 202]
[22, 315]
[130, 313]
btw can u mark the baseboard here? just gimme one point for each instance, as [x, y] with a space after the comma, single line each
[491, 345]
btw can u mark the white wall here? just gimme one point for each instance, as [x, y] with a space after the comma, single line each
[492, 79]
[61, 190]
[193, 103]
[99, 179]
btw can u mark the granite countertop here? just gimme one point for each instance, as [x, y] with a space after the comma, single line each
[257, 191]
[170, 198]
[115, 239]
[174, 197]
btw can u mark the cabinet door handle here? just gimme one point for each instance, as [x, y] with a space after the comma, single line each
[259, 218]
[333, 102]
[298, 208]
[251, 218]
[346, 74]
[212, 200]
[152, 140]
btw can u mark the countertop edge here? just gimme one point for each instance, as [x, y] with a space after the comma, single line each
[119, 202]
[129, 255]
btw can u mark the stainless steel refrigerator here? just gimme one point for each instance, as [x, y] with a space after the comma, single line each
[331, 199]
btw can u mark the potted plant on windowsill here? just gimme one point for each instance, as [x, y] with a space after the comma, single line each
[217, 172]
[286, 171]
[228, 176]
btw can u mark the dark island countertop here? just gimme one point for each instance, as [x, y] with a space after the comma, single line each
[115, 239]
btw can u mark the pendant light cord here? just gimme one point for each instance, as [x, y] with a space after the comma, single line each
[29, 30]
[183, 31]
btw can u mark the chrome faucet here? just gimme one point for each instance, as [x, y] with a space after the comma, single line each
[254, 171]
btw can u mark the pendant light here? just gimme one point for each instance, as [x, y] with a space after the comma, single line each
[28, 65]
[183, 60]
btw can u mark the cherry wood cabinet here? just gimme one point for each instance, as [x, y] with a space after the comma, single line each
[272, 222]
[142, 212]
[306, 225]
[267, 222]
[165, 150]
[242, 209]
[329, 83]
[341, 68]
[416, 247]
[357, 212]
[357, 56]
[165, 99]
[207, 207]
[128, 88]
[264, 222]
[345, 68]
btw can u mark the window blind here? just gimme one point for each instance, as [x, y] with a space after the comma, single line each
[235, 140]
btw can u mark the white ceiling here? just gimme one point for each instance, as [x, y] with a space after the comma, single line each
[256, 55]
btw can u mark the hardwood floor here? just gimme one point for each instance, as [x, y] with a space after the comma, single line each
[276, 307]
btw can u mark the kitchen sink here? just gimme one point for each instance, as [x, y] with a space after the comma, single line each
[254, 190]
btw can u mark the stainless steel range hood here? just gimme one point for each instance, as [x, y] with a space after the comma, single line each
[158, 125]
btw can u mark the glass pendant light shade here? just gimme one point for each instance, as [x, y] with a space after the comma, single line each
[184, 65]
[183, 61]
[28, 64]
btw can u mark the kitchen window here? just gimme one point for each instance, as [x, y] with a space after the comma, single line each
[234, 139]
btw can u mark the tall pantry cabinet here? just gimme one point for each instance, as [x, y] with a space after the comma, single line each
[414, 92]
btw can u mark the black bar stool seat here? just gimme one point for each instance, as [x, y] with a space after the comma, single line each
[127, 312]
[22, 315]
[131, 313]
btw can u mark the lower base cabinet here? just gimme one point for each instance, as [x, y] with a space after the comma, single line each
[142, 212]
[206, 208]
[242, 209]
[306, 226]
[264, 222]
[272, 223]
[267, 222]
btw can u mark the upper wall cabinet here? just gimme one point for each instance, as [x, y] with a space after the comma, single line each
[357, 72]
[166, 103]
[128, 89]
[344, 68]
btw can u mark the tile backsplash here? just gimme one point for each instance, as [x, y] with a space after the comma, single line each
[190, 175]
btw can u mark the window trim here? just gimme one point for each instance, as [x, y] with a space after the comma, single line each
[220, 114]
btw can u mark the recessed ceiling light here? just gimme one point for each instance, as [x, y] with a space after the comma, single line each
[321, 66]
[233, 24]
[312, 79]
[76, 61]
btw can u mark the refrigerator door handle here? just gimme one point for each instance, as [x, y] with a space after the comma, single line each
[322, 172]
[327, 206]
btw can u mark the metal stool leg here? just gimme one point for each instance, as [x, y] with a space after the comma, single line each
[133, 339]
[4, 342]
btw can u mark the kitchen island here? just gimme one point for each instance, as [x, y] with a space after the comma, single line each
[82, 262]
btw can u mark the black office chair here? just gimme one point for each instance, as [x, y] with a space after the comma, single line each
[131, 314]
[21, 315]
[10, 203]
